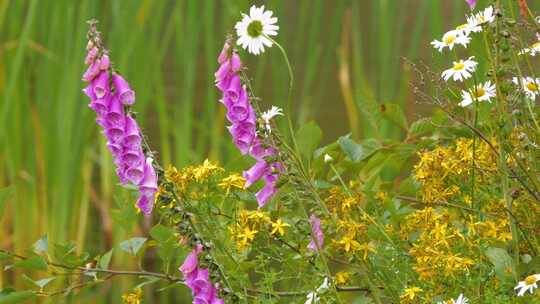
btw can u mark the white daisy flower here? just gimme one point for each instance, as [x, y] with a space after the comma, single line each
[529, 85]
[268, 115]
[460, 300]
[312, 298]
[529, 284]
[450, 39]
[253, 29]
[461, 70]
[471, 26]
[487, 16]
[533, 49]
[481, 92]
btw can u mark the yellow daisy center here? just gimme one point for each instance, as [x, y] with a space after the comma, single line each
[535, 45]
[532, 86]
[530, 280]
[481, 19]
[458, 66]
[449, 39]
[479, 92]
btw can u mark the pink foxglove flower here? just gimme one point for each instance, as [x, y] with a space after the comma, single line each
[471, 3]
[243, 129]
[317, 239]
[109, 95]
[198, 280]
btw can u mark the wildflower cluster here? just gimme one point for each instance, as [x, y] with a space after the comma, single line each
[242, 115]
[438, 170]
[248, 223]
[110, 97]
[185, 179]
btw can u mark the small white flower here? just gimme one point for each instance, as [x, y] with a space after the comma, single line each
[487, 16]
[469, 27]
[312, 298]
[460, 300]
[529, 284]
[253, 29]
[461, 70]
[450, 39]
[533, 49]
[472, 25]
[268, 115]
[328, 158]
[529, 85]
[481, 92]
[324, 286]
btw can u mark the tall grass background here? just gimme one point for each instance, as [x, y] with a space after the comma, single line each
[54, 168]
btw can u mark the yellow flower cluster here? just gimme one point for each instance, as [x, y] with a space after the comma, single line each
[341, 203]
[439, 169]
[250, 222]
[410, 295]
[490, 230]
[350, 236]
[434, 249]
[232, 181]
[132, 298]
[198, 174]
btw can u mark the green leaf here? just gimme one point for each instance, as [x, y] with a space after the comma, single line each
[358, 151]
[504, 265]
[42, 245]
[350, 148]
[421, 126]
[5, 255]
[16, 296]
[43, 282]
[308, 138]
[35, 263]
[133, 245]
[4, 195]
[105, 260]
[39, 283]
[161, 233]
[393, 113]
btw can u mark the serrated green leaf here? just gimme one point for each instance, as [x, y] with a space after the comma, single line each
[308, 138]
[133, 245]
[502, 262]
[16, 297]
[41, 246]
[393, 113]
[34, 263]
[105, 260]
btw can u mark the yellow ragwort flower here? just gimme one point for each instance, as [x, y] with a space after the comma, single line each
[132, 298]
[279, 227]
[342, 277]
[232, 181]
[409, 294]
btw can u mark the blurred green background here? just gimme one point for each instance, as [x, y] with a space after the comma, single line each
[54, 168]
